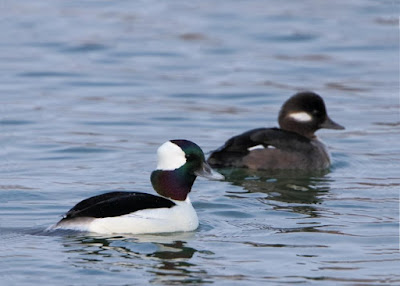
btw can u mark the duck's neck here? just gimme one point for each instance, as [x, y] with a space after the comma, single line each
[174, 184]
[306, 132]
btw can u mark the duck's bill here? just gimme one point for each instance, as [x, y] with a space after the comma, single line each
[207, 172]
[330, 124]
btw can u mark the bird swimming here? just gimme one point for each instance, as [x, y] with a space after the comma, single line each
[179, 163]
[292, 146]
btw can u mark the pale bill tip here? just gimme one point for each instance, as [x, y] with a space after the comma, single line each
[217, 176]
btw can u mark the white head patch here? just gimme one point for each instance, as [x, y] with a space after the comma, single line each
[170, 157]
[301, 116]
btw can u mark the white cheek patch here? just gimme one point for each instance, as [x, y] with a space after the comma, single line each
[301, 116]
[170, 157]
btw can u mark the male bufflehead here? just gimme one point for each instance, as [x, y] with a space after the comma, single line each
[292, 146]
[179, 162]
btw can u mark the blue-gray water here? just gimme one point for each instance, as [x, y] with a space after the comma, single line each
[90, 89]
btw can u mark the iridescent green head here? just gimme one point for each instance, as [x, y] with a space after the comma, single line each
[179, 163]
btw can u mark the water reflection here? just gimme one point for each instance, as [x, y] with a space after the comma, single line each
[303, 189]
[168, 256]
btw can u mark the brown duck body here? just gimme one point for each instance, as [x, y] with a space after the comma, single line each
[316, 158]
[293, 146]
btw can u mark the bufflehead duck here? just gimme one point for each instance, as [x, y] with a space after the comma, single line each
[179, 162]
[292, 146]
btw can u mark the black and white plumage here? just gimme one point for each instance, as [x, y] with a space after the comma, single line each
[292, 146]
[179, 162]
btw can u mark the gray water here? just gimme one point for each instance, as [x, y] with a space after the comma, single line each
[90, 89]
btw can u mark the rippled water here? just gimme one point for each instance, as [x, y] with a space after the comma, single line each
[90, 89]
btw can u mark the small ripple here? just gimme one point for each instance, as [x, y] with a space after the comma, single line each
[221, 96]
[83, 150]
[232, 214]
[359, 281]
[15, 122]
[49, 74]
[347, 261]
[387, 20]
[15, 187]
[113, 123]
[389, 124]
[83, 48]
[100, 84]
[161, 54]
[278, 245]
[193, 37]
[308, 57]
[56, 158]
[18, 194]
[291, 37]
[345, 87]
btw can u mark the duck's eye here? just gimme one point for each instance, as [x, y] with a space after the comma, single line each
[189, 157]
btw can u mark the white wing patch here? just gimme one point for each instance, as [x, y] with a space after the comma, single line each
[256, 147]
[301, 116]
[170, 157]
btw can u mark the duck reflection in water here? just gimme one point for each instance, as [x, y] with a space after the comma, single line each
[167, 256]
[303, 189]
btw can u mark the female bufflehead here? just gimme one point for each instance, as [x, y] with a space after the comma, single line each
[293, 146]
[179, 162]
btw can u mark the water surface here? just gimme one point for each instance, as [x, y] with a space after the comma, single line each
[91, 89]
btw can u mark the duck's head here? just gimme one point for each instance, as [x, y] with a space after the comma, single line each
[305, 113]
[179, 163]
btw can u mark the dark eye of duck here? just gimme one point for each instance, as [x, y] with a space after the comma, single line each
[190, 157]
